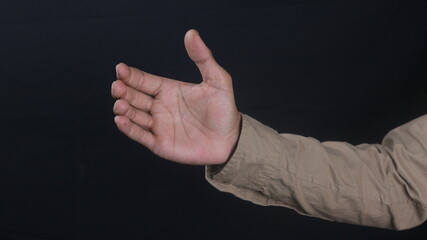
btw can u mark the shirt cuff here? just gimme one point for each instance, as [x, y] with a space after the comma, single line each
[255, 141]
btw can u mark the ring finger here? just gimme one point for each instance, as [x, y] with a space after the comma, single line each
[141, 118]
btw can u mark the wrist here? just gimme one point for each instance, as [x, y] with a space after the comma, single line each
[236, 138]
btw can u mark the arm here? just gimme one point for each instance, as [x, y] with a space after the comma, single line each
[374, 185]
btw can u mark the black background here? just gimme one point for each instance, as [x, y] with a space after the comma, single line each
[334, 70]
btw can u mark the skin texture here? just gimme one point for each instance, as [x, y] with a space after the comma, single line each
[187, 123]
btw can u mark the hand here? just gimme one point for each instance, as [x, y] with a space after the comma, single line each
[182, 122]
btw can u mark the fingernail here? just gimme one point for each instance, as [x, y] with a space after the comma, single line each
[117, 72]
[112, 88]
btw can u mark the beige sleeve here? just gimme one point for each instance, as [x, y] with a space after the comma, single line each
[381, 185]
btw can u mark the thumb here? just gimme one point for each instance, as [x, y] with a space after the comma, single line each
[212, 72]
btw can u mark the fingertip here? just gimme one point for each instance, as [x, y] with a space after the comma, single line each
[196, 48]
[192, 36]
[121, 69]
[118, 89]
[120, 65]
[193, 30]
[117, 120]
[122, 123]
[191, 33]
[120, 107]
[115, 89]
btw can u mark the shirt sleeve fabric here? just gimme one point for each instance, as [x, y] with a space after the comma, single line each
[380, 185]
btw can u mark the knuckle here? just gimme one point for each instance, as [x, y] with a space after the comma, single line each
[141, 136]
[148, 104]
[141, 80]
[130, 96]
[149, 121]
[130, 113]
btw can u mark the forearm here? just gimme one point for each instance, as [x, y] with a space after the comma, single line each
[370, 185]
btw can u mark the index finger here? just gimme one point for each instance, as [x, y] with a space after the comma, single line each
[142, 81]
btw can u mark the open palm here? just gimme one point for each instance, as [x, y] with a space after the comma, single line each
[182, 122]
